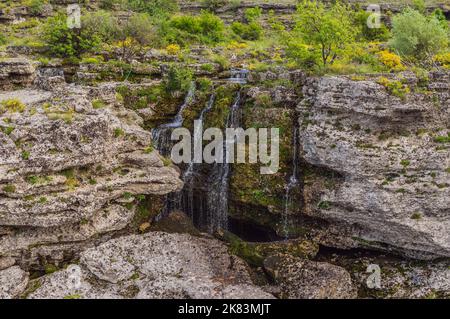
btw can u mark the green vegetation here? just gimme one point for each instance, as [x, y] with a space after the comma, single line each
[418, 37]
[12, 106]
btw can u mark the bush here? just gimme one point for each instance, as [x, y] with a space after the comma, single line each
[366, 33]
[177, 80]
[36, 7]
[443, 59]
[394, 87]
[135, 34]
[390, 60]
[253, 14]
[205, 28]
[101, 23]
[173, 49]
[214, 4]
[416, 36]
[3, 39]
[65, 42]
[154, 7]
[252, 31]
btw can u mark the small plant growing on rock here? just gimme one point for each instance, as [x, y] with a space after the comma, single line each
[12, 105]
[25, 155]
[173, 49]
[9, 189]
[98, 104]
[394, 87]
[416, 216]
[442, 139]
[324, 205]
[118, 132]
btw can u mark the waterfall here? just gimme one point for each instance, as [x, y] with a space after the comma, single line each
[184, 200]
[291, 185]
[217, 214]
[161, 134]
[239, 76]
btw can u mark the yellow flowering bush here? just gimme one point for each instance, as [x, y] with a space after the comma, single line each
[390, 60]
[173, 49]
[12, 105]
[235, 45]
[443, 59]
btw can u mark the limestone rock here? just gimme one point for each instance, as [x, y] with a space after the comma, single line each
[154, 265]
[389, 174]
[17, 71]
[66, 168]
[13, 282]
[303, 279]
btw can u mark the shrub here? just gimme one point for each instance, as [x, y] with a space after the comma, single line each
[177, 80]
[173, 49]
[390, 60]
[394, 87]
[65, 42]
[36, 7]
[102, 24]
[3, 39]
[252, 31]
[205, 28]
[214, 4]
[416, 36]
[370, 34]
[137, 33]
[443, 59]
[154, 7]
[12, 105]
[252, 14]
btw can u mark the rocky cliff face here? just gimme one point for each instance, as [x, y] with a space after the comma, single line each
[389, 162]
[71, 169]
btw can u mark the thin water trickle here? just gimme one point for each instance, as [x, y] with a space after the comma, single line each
[161, 135]
[291, 185]
[218, 194]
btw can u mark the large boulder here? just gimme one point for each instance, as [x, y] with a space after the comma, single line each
[304, 279]
[154, 265]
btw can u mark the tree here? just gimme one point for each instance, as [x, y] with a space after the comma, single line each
[327, 31]
[416, 36]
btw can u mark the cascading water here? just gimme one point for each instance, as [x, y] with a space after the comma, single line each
[291, 185]
[161, 135]
[184, 200]
[204, 197]
[239, 76]
[217, 214]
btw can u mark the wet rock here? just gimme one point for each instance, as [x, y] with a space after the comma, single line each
[303, 279]
[154, 265]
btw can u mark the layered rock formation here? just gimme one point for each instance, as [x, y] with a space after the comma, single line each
[72, 163]
[16, 72]
[387, 161]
